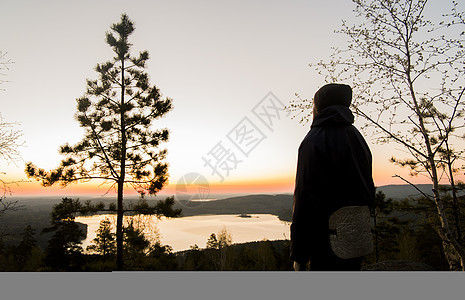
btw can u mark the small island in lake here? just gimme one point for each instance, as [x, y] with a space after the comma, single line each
[245, 216]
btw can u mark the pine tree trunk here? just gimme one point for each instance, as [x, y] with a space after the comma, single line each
[119, 222]
[119, 229]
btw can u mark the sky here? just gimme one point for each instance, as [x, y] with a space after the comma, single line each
[222, 63]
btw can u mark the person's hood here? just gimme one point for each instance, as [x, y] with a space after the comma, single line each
[334, 115]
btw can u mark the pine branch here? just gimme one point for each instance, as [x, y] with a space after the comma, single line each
[110, 165]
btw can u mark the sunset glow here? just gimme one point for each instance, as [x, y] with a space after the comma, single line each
[277, 185]
[216, 69]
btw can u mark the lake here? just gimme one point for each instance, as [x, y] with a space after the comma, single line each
[181, 233]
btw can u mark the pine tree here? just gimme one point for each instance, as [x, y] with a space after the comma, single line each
[64, 251]
[212, 242]
[104, 243]
[136, 246]
[25, 247]
[119, 146]
[161, 258]
[218, 248]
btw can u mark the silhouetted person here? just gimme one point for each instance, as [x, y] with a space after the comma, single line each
[334, 170]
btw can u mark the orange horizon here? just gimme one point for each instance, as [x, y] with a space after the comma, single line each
[273, 185]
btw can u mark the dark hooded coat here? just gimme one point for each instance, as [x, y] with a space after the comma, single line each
[334, 169]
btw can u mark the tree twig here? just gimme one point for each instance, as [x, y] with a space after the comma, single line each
[420, 191]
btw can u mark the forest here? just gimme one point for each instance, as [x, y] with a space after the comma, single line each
[45, 237]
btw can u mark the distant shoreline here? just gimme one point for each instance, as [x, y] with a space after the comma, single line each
[391, 190]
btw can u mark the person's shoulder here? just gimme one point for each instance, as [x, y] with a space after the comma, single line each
[356, 132]
[312, 140]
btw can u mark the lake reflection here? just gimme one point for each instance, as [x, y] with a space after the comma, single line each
[181, 233]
